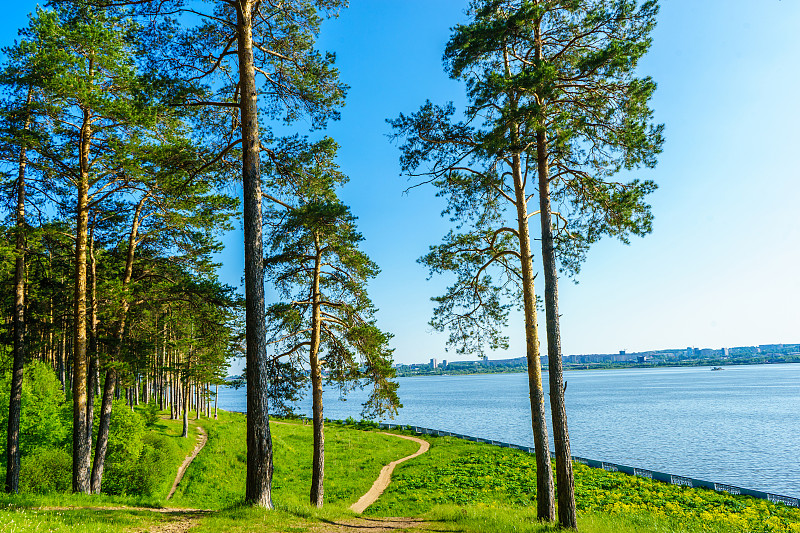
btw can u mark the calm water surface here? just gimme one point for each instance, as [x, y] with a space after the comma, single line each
[737, 426]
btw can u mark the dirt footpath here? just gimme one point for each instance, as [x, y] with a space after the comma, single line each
[386, 475]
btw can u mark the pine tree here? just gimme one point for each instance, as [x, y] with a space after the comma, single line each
[552, 82]
[326, 320]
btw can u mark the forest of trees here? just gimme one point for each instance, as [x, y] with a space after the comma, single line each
[128, 127]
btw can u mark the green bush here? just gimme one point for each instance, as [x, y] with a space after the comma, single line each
[150, 413]
[137, 462]
[45, 421]
[46, 470]
[125, 444]
[153, 472]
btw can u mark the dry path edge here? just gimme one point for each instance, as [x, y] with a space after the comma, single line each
[202, 439]
[386, 474]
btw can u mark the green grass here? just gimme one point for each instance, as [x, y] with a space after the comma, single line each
[486, 488]
[216, 479]
[77, 520]
[456, 486]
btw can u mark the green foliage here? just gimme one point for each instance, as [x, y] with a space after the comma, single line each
[125, 433]
[150, 412]
[487, 479]
[551, 87]
[314, 250]
[45, 418]
[46, 470]
[136, 461]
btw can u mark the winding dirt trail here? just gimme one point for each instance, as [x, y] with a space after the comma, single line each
[202, 438]
[386, 475]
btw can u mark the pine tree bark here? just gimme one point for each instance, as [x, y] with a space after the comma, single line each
[102, 430]
[18, 364]
[105, 410]
[545, 505]
[318, 462]
[565, 480]
[81, 448]
[92, 372]
[258, 489]
[185, 397]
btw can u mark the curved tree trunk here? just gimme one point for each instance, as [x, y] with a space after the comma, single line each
[567, 514]
[105, 410]
[92, 372]
[102, 430]
[18, 365]
[258, 490]
[318, 466]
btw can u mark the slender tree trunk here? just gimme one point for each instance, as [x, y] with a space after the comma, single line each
[216, 398]
[62, 351]
[565, 481]
[81, 448]
[162, 390]
[92, 372]
[105, 412]
[18, 364]
[544, 469]
[102, 430]
[185, 395]
[318, 466]
[258, 489]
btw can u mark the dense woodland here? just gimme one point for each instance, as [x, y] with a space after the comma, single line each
[129, 128]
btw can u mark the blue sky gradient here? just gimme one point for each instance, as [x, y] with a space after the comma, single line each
[721, 266]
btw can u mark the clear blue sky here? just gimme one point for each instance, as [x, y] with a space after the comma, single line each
[721, 267]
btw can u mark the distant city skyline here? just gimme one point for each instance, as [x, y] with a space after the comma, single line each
[621, 355]
[720, 268]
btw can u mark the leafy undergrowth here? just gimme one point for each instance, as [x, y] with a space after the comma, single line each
[159, 453]
[456, 486]
[494, 489]
[353, 459]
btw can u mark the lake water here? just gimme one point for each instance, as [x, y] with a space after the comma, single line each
[738, 426]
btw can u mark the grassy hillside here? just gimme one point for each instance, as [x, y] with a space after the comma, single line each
[456, 486]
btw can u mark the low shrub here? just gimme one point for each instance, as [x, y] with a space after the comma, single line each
[46, 470]
[150, 413]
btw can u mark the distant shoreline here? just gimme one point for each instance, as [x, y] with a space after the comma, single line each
[600, 366]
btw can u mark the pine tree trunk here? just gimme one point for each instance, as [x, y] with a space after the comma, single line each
[106, 408]
[198, 400]
[318, 462]
[258, 489]
[565, 481]
[18, 364]
[216, 399]
[102, 430]
[544, 470]
[92, 372]
[81, 448]
[185, 432]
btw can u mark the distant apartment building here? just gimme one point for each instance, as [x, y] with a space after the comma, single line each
[433, 363]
